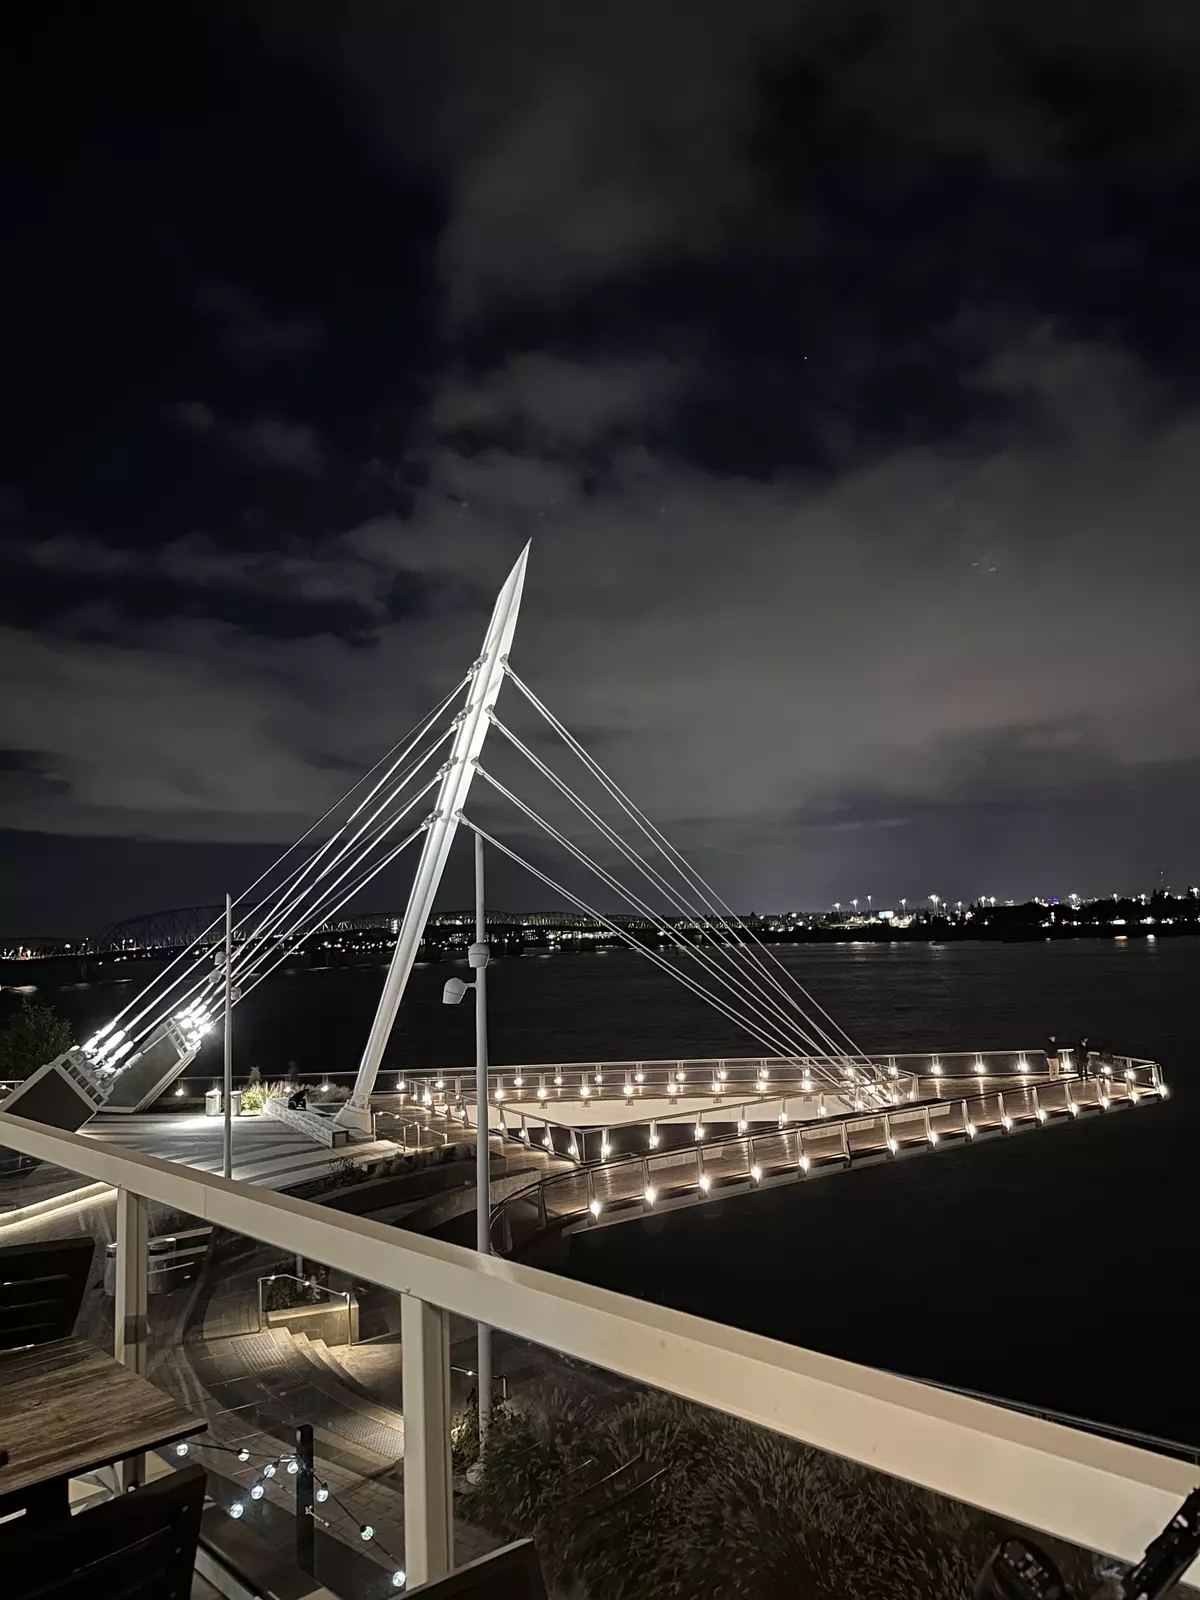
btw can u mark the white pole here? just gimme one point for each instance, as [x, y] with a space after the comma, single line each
[483, 1171]
[227, 1097]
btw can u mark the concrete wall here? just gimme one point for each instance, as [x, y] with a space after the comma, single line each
[328, 1322]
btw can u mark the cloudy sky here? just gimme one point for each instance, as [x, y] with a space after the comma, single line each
[840, 359]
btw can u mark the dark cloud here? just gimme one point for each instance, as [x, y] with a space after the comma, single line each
[840, 362]
[248, 331]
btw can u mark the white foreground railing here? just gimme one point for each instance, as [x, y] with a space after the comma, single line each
[1092, 1491]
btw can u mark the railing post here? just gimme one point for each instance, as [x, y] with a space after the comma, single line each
[306, 1542]
[130, 1305]
[129, 1310]
[428, 1493]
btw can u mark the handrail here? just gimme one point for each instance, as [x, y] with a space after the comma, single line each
[1095, 1492]
[1127, 1090]
[1152, 1441]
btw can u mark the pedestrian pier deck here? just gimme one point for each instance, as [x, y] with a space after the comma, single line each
[733, 1126]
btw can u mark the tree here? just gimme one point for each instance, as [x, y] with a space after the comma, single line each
[35, 1035]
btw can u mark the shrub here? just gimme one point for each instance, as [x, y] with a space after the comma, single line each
[703, 1504]
[34, 1035]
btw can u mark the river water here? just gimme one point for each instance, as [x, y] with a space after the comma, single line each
[1054, 1268]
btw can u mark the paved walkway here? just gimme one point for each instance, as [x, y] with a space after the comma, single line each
[265, 1152]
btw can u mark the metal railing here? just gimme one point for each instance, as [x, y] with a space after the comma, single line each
[1095, 1492]
[686, 1162]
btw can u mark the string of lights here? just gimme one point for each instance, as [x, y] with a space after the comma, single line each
[289, 1464]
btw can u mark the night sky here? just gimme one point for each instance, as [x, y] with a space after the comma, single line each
[842, 361]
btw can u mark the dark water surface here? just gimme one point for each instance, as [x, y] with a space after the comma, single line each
[1056, 1268]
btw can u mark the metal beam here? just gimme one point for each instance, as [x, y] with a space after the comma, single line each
[486, 677]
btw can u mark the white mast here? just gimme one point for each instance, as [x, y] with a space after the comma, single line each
[487, 675]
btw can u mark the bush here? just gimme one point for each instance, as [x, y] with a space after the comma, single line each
[707, 1505]
[34, 1035]
[256, 1094]
[285, 1293]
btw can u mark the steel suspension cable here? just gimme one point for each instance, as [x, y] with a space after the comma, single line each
[681, 866]
[780, 1043]
[354, 889]
[312, 915]
[393, 794]
[415, 733]
[785, 1017]
[589, 911]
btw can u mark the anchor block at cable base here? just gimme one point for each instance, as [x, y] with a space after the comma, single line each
[68, 1091]
[64, 1093]
[138, 1082]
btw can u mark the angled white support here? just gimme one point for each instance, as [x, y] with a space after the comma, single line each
[486, 677]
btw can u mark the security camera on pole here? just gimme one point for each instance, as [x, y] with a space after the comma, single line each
[455, 989]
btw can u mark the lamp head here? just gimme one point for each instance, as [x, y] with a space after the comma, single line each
[453, 991]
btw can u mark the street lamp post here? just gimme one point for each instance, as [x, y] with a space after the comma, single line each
[227, 1078]
[452, 993]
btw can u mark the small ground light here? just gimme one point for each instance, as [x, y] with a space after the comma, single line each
[605, 1149]
[756, 1174]
[366, 1533]
[181, 1449]
[236, 1509]
[650, 1196]
[804, 1163]
[742, 1125]
[179, 1091]
[705, 1183]
[594, 1207]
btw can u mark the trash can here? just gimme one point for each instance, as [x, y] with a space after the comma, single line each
[235, 1099]
[212, 1103]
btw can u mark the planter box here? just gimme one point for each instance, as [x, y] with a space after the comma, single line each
[329, 1322]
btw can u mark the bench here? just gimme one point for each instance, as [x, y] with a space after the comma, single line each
[312, 1124]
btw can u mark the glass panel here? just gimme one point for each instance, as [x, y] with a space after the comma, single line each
[260, 1345]
[630, 1491]
[263, 1345]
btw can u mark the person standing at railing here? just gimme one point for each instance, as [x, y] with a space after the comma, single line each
[1052, 1054]
[1084, 1068]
